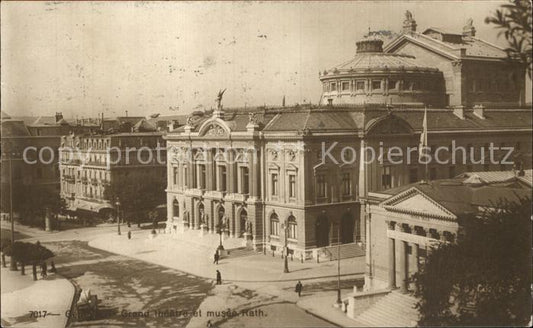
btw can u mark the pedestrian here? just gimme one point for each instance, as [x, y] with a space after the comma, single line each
[216, 256]
[298, 288]
[129, 234]
[43, 270]
[219, 278]
[53, 267]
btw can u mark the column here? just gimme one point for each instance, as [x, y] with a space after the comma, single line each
[403, 264]
[361, 185]
[254, 191]
[392, 260]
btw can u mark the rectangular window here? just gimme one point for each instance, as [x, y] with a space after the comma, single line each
[223, 178]
[345, 86]
[346, 184]
[175, 175]
[292, 186]
[413, 175]
[360, 85]
[274, 184]
[202, 176]
[376, 84]
[451, 172]
[386, 179]
[333, 86]
[244, 180]
[321, 185]
[392, 84]
[185, 176]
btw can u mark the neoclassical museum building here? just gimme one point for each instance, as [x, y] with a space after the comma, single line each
[299, 176]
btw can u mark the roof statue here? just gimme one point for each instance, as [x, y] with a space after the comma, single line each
[469, 29]
[408, 15]
[219, 98]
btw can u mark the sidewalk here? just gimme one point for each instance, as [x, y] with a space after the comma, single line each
[21, 294]
[190, 253]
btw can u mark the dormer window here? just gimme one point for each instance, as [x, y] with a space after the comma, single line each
[376, 84]
[360, 85]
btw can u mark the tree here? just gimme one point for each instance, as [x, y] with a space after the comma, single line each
[484, 278]
[28, 253]
[136, 198]
[32, 204]
[515, 22]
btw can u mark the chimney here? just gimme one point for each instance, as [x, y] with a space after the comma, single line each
[469, 30]
[459, 111]
[409, 24]
[479, 111]
[59, 116]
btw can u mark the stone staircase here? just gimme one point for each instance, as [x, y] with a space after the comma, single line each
[393, 310]
[240, 252]
[346, 251]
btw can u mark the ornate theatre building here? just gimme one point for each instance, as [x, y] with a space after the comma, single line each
[299, 176]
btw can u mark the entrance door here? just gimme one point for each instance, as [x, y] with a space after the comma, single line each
[243, 218]
[322, 231]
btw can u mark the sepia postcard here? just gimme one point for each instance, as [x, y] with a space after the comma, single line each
[266, 163]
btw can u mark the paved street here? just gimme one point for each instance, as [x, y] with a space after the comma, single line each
[127, 287]
[134, 292]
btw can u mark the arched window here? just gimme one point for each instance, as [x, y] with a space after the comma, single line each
[293, 231]
[274, 225]
[176, 208]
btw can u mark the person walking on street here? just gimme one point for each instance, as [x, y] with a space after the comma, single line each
[53, 267]
[219, 278]
[216, 256]
[298, 288]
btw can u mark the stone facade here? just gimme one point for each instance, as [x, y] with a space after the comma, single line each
[90, 165]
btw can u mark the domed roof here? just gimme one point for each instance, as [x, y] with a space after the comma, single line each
[370, 57]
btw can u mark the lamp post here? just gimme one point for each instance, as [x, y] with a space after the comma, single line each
[8, 154]
[286, 262]
[117, 206]
[339, 301]
[219, 230]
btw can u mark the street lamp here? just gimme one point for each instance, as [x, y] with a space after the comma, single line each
[8, 154]
[286, 262]
[219, 230]
[117, 206]
[339, 301]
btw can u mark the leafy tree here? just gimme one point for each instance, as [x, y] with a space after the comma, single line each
[32, 205]
[515, 22]
[137, 198]
[484, 278]
[28, 253]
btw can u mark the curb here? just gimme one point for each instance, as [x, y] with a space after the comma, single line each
[73, 311]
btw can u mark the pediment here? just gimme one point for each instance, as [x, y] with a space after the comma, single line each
[415, 202]
[214, 128]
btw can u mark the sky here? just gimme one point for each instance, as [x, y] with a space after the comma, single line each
[171, 58]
